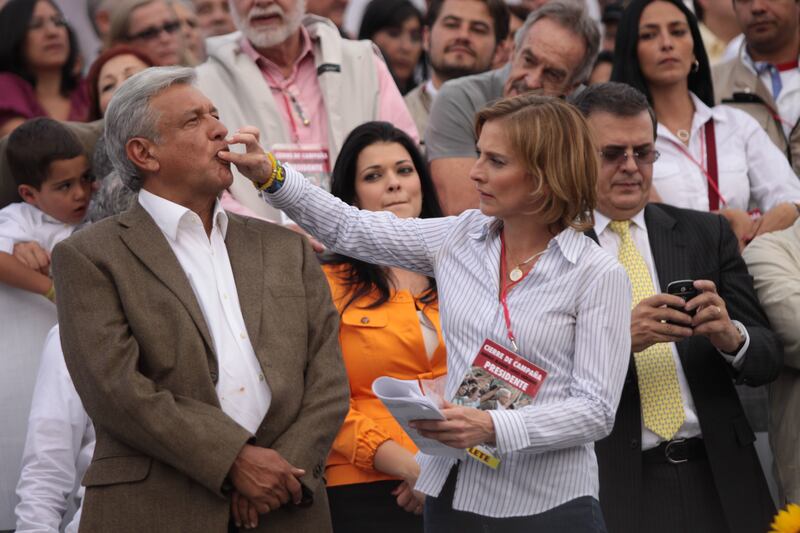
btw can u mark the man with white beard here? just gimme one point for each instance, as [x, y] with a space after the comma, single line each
[304, 87]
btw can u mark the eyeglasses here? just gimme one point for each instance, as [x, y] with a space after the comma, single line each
[40, 22]
[153, 32]
[618, 155]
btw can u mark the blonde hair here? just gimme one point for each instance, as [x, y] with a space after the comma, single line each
[552, 140]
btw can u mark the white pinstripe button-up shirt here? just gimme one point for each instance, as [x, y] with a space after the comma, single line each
[570, 315]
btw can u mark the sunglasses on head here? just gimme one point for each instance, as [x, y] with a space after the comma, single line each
[148, 34]
[617, 155]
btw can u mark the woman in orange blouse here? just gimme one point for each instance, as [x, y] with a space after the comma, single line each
[389, 327]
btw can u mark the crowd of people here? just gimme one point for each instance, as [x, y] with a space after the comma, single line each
[221, 221]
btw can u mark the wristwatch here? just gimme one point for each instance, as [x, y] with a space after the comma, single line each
[742, 335]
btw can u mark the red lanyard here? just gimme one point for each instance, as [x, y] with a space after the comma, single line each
[708, 146]
[504, 288]
[295, 133]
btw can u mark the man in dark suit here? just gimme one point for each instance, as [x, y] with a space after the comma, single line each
[681, 455]
[203, 345]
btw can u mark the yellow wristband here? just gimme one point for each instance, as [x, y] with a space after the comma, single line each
[51, 293]
[273, 174]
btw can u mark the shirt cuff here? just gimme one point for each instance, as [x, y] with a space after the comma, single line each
[510, 431]
[291, 190]
[7, 245]
[367, 444]
[737, 359]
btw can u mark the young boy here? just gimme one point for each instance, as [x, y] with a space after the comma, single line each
[52, 174]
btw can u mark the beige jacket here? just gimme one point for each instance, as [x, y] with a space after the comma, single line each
[142, 360]
[419, 103]
[738, 86]
[774, 262]
[347, 78]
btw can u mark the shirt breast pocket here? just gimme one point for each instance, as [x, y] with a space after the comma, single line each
[734, 181]
[366, 345]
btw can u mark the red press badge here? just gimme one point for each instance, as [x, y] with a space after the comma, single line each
[311, 160]
[498, 379]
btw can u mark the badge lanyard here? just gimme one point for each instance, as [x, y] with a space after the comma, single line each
[504, 288]
[708, 147]
[288, 106]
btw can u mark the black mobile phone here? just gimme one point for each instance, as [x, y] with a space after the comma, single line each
[685, 289]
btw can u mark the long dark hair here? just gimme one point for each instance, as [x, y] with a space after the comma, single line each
[626, 59]
[391, 14]
[362, 278]
[15, 17]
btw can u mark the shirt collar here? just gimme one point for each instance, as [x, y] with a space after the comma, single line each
[430, 89]
[569, 242]
[744, 55]
[252, 53]
[168, 215]
[601, 221]
[702, 114]
[42, 217]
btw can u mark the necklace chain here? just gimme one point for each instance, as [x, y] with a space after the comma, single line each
[516, 273]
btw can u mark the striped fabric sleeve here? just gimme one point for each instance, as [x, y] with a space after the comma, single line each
[374, 236]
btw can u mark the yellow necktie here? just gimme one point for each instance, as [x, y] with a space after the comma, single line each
[662, 407]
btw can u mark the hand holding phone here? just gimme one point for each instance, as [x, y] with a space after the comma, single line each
[686, 290]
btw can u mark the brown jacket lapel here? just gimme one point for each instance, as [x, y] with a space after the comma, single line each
[247, 263]
[144, 239]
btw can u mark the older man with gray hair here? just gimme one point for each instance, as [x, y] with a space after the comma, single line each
[203, 345]
[300, 83]
[553, 53]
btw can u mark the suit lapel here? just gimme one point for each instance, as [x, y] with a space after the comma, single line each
[667, 247]
[145, 240]
[247, 263]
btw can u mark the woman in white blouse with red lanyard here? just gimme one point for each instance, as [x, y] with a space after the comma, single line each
[712, 158]
[520, 264]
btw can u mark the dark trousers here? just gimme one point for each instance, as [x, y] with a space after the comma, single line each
[681, 497]
[370, 508]
[581, 515]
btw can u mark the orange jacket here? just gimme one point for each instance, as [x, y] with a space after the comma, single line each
[384, 341]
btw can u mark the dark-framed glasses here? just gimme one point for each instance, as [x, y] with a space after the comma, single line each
[152, 32]
[618, 155]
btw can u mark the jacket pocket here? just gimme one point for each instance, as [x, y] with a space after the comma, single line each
[115, 470]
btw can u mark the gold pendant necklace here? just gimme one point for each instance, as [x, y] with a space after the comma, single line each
[516, 272]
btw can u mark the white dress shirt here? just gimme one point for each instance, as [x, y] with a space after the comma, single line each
[750, 167]
[58, 449]
[22, 222]
[610, 241]
[788, 100]
[242, 389]
[571, 316]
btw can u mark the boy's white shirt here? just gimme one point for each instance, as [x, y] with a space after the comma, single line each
[23, 222]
